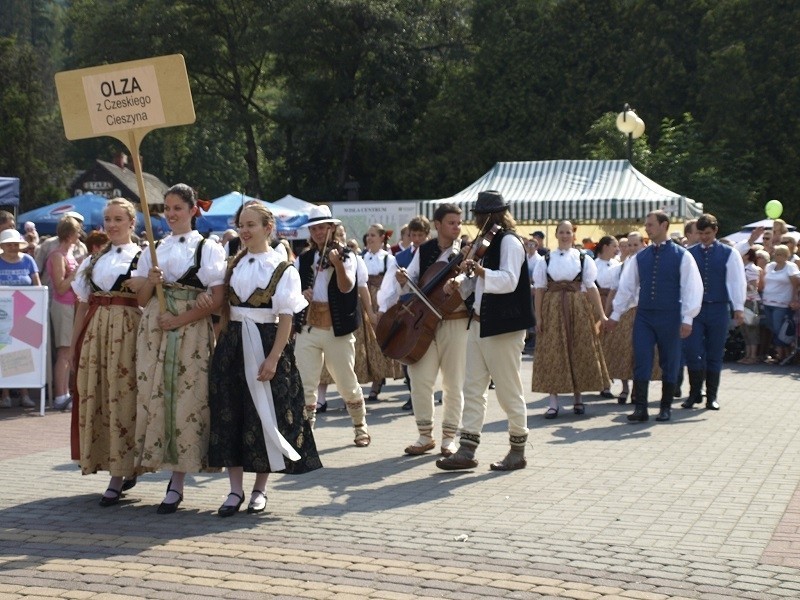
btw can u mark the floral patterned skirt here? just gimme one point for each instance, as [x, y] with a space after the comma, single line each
[172, 436]
[558, 366]
[618, 349]
[237, 437]
[106, 384]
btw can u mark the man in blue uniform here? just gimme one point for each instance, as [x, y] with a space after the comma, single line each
[670, 291]
[724, 285]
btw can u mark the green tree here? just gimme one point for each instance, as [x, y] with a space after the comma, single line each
[32, 149]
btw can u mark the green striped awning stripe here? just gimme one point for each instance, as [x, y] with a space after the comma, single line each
[579, 190]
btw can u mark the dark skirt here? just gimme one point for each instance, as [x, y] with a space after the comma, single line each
[237, 438]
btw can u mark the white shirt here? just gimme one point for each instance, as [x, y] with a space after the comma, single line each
[361, 271]
[565, 265]
[752, 273]
[691, 288]
[533, 260]
[323, 277]
[106, 270]
[778, 289]
[375, 261]
[175, 257]
[500, 281]
[249, 276]
[608, 272]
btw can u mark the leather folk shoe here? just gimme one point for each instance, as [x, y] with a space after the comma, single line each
[418, 448]
[457, 462]
[639, 415]
[511, 462]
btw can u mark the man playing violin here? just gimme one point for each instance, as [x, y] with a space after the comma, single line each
[325, 329]
[496, 335]
[447, 351]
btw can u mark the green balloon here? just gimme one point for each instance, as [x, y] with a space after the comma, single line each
[774, 209]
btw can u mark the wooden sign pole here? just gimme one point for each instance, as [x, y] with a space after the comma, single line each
[133, 147]
[126, 101]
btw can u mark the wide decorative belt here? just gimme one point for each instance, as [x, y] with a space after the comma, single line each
[100, 299]
[319, 315]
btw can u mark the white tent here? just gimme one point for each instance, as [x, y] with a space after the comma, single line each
[293, 203]
[581, 190]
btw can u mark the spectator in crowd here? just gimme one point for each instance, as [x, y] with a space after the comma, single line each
[46, 247]
[781, 282]
[754, 276]
[31, 235]
[16, 269]
[61, 268]
[96, 241]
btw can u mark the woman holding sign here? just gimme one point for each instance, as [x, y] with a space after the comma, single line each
[103, 354]
[255, 394]
[174, 347]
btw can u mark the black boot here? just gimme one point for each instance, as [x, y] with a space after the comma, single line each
[695, 389]
[667, 394]
[640, 403]
[712, 386]
[677, 390]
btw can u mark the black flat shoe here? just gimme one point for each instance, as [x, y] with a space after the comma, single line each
[372, 398]
[227, 510]
[606, 394]
[408, 405]
[622, 398]
[128, 484]
[579, 408]
[167, 508]
[259, 504]
[321, 408]
[551, 413]
[111, 500]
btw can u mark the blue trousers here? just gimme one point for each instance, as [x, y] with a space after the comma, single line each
[706, 346]
[660, 328]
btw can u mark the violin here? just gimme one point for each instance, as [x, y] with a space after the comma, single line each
[406, 330]
[344, 252]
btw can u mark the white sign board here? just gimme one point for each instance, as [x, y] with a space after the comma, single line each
[23, 336]
[358, 216]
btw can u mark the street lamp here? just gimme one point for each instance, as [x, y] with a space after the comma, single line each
[631, 125]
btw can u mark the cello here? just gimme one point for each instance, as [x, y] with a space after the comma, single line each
[405, 331]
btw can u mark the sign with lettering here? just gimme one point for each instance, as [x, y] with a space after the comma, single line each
[113, 100]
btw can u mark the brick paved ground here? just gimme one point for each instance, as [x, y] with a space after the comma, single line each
[706, 506]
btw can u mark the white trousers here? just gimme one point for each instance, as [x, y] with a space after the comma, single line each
[497, 358]
[448, 352]
[319, 345]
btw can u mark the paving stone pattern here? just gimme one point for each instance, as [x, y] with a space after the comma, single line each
[705, 506]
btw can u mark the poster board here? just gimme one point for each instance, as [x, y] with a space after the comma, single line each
[358, 216]
[23, 336]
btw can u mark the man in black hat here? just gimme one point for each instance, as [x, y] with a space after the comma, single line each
[496, 336]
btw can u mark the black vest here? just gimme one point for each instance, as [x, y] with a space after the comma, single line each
[344, 307]
[503, 313]
[429, 252]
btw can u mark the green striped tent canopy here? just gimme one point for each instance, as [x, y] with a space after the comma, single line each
[580, 190]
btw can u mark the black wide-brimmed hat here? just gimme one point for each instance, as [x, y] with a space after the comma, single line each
[490, 201]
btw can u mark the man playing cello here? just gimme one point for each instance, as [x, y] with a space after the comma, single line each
[447, 351]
